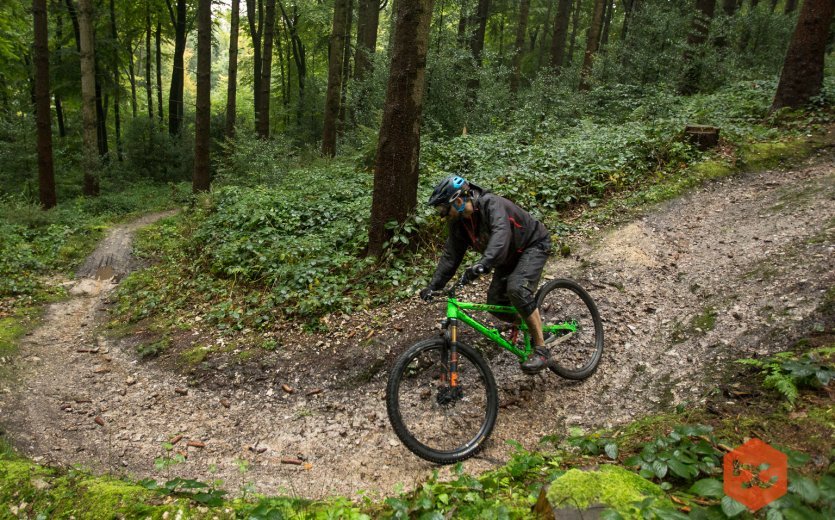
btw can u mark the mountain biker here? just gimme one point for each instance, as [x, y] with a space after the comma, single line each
[511, 242]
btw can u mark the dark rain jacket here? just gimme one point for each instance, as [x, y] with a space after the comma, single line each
[498, 229]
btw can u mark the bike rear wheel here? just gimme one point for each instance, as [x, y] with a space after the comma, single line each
[573, 329]
[438, 422]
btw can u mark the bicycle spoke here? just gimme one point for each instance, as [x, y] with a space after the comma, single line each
[435, 414]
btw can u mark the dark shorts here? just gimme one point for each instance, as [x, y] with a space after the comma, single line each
[517, 284]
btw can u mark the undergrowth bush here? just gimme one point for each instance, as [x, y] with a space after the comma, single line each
[282, 240]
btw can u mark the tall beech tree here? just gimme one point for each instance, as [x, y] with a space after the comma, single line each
[116, 88]
[398, 146]
[43, 116]
[200, 178]
[291, 22]
[262, 114]
[148, 84]
[689, 83]
[255, 22]
[592, 44]
[90, 157]
[519, 44]
[560, 33]
[175, 95]
[575, 23]
[336, 49]
[368, 21]
[232, 85]
[802, 75]
[158, 54]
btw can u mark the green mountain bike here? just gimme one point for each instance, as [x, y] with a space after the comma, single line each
[441, 397]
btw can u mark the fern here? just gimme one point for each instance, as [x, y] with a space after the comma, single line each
[787, 372]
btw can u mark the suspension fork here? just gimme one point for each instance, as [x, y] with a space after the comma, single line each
[452, 343]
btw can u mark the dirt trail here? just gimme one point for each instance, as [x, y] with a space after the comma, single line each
[729, 271]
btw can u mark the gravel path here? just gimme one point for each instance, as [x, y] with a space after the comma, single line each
[731, 270]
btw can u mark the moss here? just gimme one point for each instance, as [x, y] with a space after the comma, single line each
[712, 169]
[10, 330]
[771, 154]
[194, 356]
[611, 485]
[705, 321]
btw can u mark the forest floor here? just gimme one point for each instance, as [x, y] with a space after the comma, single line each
[739, 267]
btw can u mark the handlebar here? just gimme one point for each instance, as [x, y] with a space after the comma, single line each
[451, 292]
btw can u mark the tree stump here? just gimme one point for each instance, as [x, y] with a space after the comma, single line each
[703, 136]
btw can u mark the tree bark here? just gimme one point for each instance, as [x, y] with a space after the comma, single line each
[462, 22]
[158, 53]
[116, 88]
[368, 20]
[791, 5]
[698, 35]
[346, 69]
[255, 20]
[477, 40]
[132, 74]
[200, 180]
[90, 157]
[298, 57]
[335, 54]
[232, 84]
[398, 147]
[262, 122]
[59, 109]
[43, 114]
[175, 95]
[575, 18]
[519, 45]
[592, 42]
[560, 33]
[607, 21]
[628, 9]
[802, 75]
[148, 82]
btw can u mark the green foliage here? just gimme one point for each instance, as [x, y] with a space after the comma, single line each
[788, 372]
[151, 153]
[197, 491]
[686, 453]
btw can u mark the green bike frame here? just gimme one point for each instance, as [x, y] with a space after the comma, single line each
[456, 312]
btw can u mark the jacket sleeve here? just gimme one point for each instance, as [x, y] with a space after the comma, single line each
[454, 251]
[501, 238]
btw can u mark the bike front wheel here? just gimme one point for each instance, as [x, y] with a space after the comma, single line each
[573, 329]
[436, 421]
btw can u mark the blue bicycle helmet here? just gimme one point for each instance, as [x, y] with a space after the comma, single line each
[448, 190]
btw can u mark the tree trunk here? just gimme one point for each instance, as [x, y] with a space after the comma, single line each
[396, 165]
[43, 114]
[545, 25]
[628, 9]
[200, 180]
[90, 157]
[175, 95]
[477, 40]
[560, 33]
[592, 41]
[730, 6]
[59, 115]
[607, 21]
[368, 20]
[158, 53]
[232, 84]
[148, 82]
[698, 35]
[116, 87]
[262, 122]
[101, 113]
[346, 68]
[255, 20]
[298, 57]
[462, 23]
[132, 74]
[519, 45]
[802, 76]
[59, 108]
[791, 5]
[335, 54]
[575, 18]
